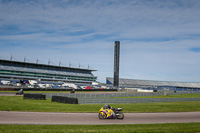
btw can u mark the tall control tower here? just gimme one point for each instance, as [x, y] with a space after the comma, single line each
[116, 65]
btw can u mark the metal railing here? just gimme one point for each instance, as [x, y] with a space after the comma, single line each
[99, 98]
[131, 100]
[113, 95]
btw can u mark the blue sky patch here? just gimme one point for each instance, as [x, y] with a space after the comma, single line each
[195, 49]
[153, 34]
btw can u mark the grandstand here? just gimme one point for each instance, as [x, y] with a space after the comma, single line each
[32, 71]
[154, 84]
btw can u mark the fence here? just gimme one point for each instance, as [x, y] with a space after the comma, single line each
[115, 97]
[112, 94]
[132, 100]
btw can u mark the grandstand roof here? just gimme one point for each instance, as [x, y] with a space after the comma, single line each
[152, 83]
[44, 65]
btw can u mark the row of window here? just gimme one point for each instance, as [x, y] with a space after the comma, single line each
[50, 76]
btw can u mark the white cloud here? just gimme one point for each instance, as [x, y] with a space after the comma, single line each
[156, 36]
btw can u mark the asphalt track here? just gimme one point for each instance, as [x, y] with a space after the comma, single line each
[12, 117]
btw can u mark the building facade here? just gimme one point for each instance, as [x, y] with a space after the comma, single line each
[41, 72]
[154, 84]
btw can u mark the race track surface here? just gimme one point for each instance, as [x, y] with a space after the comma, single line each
[13, 117]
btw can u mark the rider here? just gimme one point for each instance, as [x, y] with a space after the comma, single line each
[110, 110]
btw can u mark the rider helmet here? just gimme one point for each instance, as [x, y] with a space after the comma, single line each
[106, 106]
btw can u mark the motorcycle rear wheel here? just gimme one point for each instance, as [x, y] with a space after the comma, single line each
[121, 116]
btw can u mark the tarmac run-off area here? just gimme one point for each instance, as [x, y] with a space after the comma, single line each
[13, 117]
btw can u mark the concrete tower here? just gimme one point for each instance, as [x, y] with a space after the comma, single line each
[116, 65]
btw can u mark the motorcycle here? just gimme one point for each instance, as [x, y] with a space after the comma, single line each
[111, 113]
[20, 92]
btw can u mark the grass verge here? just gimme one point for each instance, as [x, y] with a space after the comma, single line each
[136, 128]
[17, 103]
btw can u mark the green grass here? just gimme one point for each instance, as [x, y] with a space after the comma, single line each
[17, 103]
[136, 128]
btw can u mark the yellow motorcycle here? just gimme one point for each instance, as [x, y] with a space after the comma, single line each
[110, 113]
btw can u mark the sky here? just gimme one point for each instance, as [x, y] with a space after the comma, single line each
[159, 39]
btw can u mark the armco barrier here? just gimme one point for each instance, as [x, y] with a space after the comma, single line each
[34, 96]
[132, 100]
[62, 99]
[114, 94]
[98, 98]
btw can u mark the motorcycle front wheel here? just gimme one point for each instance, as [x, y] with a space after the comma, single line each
[121, 116]
[102, 115]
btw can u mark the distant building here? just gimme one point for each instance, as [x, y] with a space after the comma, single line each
[155, 84]
[41, 72]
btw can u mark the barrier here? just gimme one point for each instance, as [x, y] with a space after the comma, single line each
[34, 96]
[114, 94]
[132, 100]
[54, 98]
[73, 100]
[62, 99]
